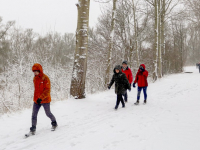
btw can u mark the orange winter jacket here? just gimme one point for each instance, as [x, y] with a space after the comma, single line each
[42, 85]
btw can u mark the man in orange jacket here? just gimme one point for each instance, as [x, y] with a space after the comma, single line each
[42, 96]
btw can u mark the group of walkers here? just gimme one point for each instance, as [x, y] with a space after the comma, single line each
[122, 78]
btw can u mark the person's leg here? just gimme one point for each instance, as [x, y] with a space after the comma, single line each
[118, 101]
[145, 93]
[36, 109]
[122, 101]
[125, 97]
[48, 113]
[138, 94]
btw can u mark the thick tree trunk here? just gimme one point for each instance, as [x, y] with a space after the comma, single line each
[110, 48]
[77, 89]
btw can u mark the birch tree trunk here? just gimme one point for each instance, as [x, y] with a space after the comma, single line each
[110, 48]
[155, 75]
[77, 88]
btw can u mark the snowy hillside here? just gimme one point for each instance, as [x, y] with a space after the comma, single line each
[170, 121]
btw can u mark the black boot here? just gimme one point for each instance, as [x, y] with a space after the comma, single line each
[137, 103]
[145, 101]
[54, 124]
[33, 129]
[116, 107]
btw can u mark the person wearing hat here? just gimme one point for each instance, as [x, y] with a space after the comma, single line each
[127, 71]
[121, 85]
[42, 97]
[141, 80]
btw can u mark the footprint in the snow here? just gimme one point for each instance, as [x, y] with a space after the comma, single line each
[111, 126]
[115, 143]
[93, 131]
[122, 131]
[142, 140]
[135, 136]
[72, 144]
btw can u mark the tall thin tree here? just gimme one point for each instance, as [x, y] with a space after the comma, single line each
[110, 48]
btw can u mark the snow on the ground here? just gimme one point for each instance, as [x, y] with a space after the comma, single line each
[170, 121]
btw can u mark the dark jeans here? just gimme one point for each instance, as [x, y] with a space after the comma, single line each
[144, 91]
[36, 109]
[119, 99]
[125, 96]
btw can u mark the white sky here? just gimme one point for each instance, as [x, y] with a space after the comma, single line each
[46, 15]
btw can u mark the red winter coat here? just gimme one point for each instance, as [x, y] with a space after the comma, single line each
[141, 77]
[128, 74]
[42, 85]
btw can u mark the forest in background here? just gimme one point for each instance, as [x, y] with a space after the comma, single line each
[133, 40]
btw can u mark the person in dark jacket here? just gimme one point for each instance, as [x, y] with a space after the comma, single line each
[141, 80]
[129, 75]
[121, 85]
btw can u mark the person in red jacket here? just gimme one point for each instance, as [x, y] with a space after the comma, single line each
[141, 80]
[128, 73]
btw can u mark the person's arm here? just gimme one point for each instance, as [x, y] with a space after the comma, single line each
[146, 73]
[136, 78]
[126, 82]
[47, 89]
[130, 76]
[111, 82]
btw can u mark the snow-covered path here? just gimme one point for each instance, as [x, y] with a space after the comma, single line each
[170, 121]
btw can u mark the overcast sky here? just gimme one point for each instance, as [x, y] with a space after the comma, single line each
[46, 15]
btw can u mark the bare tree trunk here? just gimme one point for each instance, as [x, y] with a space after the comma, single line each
[163, 31]
[77, 89]
[155, 75]
[159, 40]
[110, 43]
[136, 35]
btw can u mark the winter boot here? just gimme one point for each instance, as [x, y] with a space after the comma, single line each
[137, 103]
[116, 107]
[33, 129]
[145, 101]
[54, 125]
[123, 106]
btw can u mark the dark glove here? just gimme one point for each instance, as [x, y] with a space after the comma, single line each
[134, 85]
[39, 101]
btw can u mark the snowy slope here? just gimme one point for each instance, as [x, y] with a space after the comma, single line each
[170, 121]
